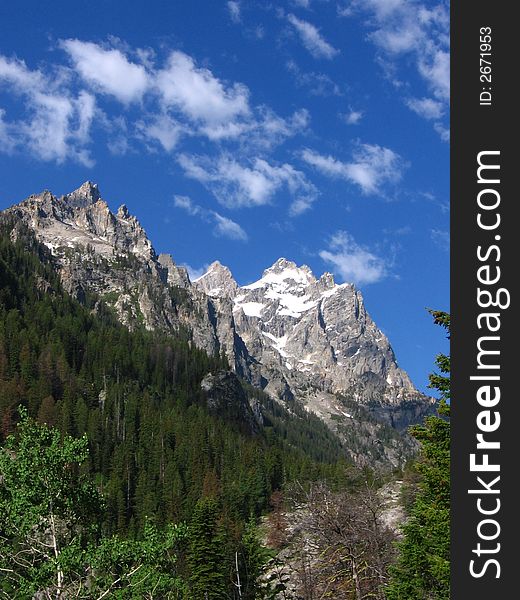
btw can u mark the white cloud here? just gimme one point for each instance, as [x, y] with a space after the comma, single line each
[352, 262]
[269, 129]
[443, 131]
[234, 8]
[162, 105]
[371, 167]
[57, 125]
[108, 71]
[223, 226]
[428, 108]
[352, 117]
[16, 73]
[254, 184]
[185, 203]
[194, 93]
[409, 28]
[318, 84]
[311, 38]
[162, 128]
[301, 205]
[227, 228]
[435, 68]
[198, 94]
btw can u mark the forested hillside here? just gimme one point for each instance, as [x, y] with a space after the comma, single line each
[154, 446]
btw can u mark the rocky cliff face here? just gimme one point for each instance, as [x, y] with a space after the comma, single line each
[298, 337]
[314, 340]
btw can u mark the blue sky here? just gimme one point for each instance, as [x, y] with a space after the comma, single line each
[243, 131]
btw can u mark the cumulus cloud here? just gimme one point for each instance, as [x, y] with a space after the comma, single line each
[57, 122]
[244, 185]
[198, 93]
[107, 70]
[371, 167]
[428, 108]
[215, 110]
[312, 39]
[353, 263]
[161, 105]
[223, 226]
[163, 129]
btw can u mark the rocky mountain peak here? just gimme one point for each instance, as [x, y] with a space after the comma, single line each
[122, 212]
[86, 195]
[83, 220]
[326, 281]
[217, 282]
[289, 270]
[176, 275]
[280, 265]
[284, 277]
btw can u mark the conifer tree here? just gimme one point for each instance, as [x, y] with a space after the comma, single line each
[422, 571]
[207, 555]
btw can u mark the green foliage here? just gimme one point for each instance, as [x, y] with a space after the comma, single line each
[116, 445]
[423, 568]
[207, 560]
[49, 528]
[254, 560]
[134, 569]
[48, 509]
[137, 396]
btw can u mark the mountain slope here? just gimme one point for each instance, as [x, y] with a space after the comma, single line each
[165, 421]
[301, 339]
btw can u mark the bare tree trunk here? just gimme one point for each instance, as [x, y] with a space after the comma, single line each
[238, 584]
[59, 572]
[355, 578]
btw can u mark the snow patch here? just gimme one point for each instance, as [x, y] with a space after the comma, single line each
[279, 343]
[281, 279]
[291, 305]
[215, 292]
[50, 246]
[251, 309]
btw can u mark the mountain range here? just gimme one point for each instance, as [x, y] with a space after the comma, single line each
[305, 341]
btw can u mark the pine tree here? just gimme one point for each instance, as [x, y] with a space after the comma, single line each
[422, 571]
[207, 555]
[255, 559]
